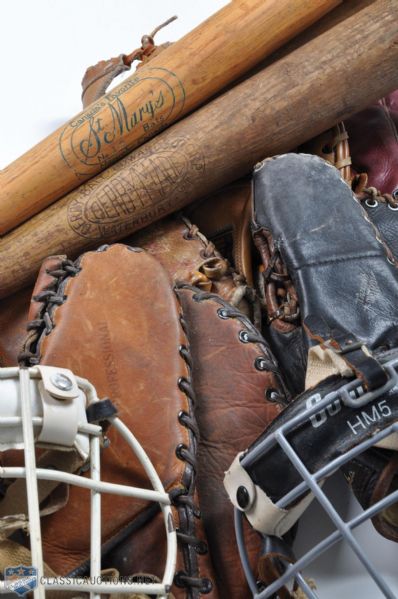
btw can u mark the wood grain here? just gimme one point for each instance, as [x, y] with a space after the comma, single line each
[173, 83]
[318, 84]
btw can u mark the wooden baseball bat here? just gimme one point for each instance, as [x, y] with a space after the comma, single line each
[175, 82]
[320, 83]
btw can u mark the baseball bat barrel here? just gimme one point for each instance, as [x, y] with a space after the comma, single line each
[174, 83]
[294, 99]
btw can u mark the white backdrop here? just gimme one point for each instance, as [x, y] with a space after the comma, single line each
[45, 47]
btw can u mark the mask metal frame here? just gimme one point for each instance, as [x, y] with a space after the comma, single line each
[311, 482]
[32, 474]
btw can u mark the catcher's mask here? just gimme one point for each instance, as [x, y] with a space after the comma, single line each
[287, 456]
[51, 408]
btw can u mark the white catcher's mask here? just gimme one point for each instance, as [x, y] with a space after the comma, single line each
[47, 407]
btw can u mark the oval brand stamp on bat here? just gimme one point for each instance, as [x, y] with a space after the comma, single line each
[121, 120]
[140, 191]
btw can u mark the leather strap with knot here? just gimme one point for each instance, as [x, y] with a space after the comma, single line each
[99, 77]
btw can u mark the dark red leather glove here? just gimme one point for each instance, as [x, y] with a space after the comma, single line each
[373, 138]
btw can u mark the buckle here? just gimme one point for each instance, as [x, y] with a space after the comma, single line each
[350, 346]
[357, 400]
[345, 345]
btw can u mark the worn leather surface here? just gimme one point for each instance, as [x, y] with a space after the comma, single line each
[187, 255]
[231, 409]
[98, 78]
[119, 327]
[373, 139]
[373, 475]
[374, 147]
[13, 321]
[15, 313]
[181, 249]
[333, 146]
[338, 266]
[45, 280]
[341, 272]
[224, 217]
[331, 432]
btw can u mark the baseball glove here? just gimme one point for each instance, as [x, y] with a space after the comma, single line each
[377, 160]
[107, 320]
[373, 143]
[328, 285]
[238, 391]
[183, 251]
[365, 150]
[333, 146]
[221, 339]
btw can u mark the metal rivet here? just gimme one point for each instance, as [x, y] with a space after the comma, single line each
[242, 497]
[106, 442]
[395, 194]
[390, 261]
[394, 208]
[371, 203]
[244, 336]
[260, 363]
[61, 381]
[207, 586]
[223, 313]
[179, 449]
[201, 547]
[271, 395]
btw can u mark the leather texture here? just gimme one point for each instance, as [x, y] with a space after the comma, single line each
[17, 311]
[384, 214]
[373, 475]
[44, 281]
[344, 282]
[131, 346]
[333, 146]
[373, 139]
[335, 257]
[238, 392]
[180, 247]
[333, 431]
[98, 78]
[374, 147]
[224, 217]
[187, 255]
[13, 321]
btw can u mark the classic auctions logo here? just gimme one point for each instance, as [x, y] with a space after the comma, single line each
[20, 579]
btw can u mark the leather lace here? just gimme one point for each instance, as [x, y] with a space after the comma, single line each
[248, 334]
[213, 266]
[49, 297]
[182, 497]
[372, 194]
[277, 291]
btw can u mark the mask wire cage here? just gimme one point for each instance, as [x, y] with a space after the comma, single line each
[311, 482]
[22, 379]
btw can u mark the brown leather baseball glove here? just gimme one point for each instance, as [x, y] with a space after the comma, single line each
[113, 318]
[113, 288]
[182, 249]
